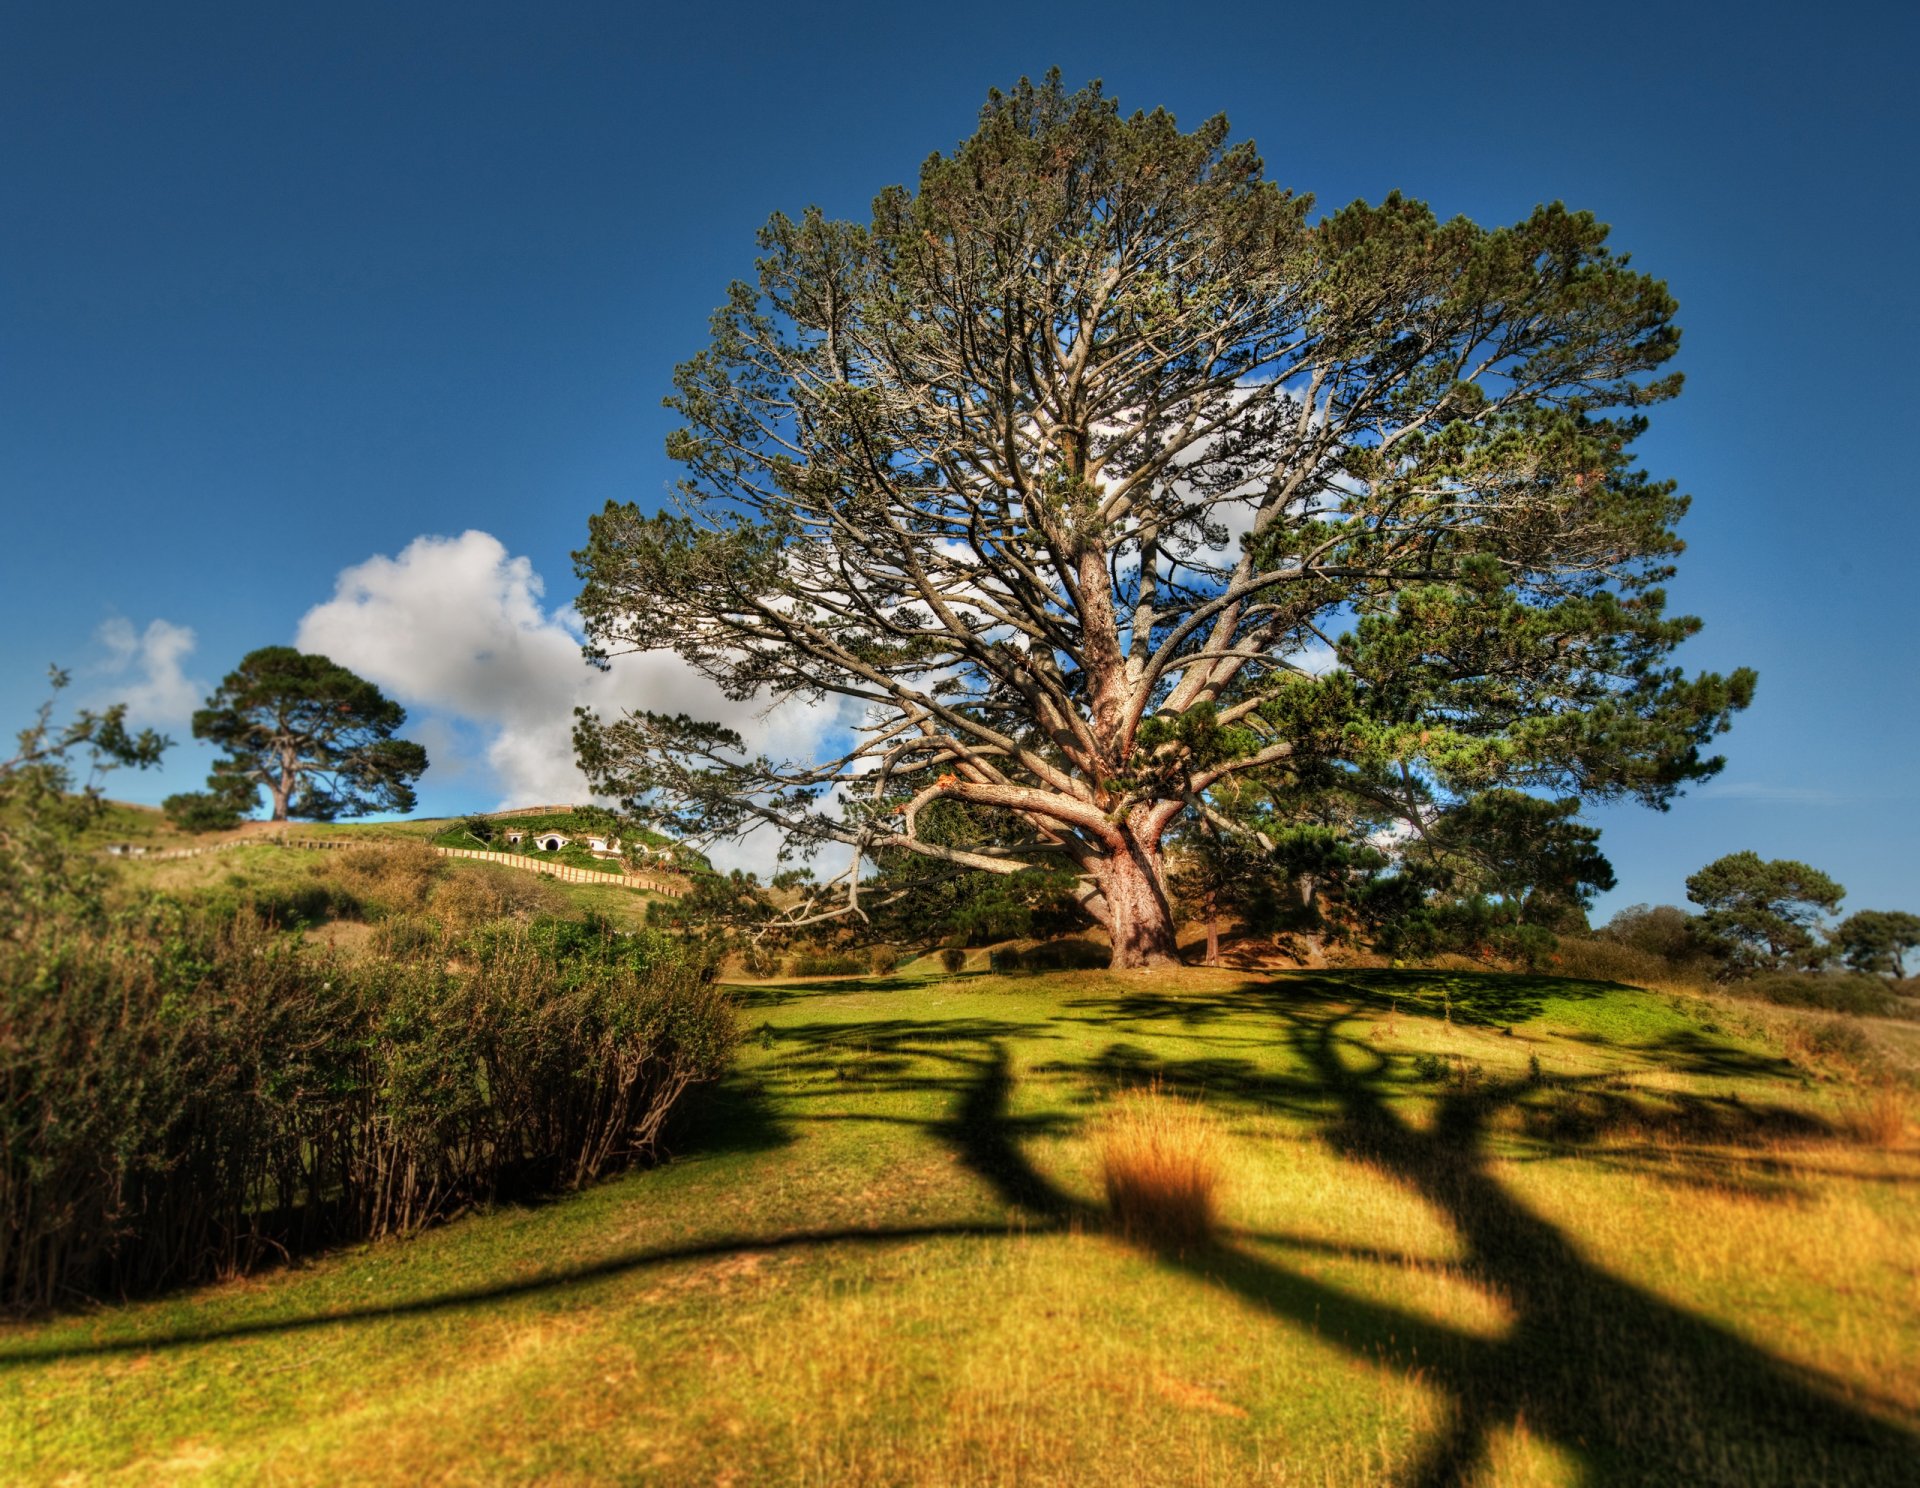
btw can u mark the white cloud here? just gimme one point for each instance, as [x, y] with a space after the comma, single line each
[1781, 795]
[148, 671]
[458, 627]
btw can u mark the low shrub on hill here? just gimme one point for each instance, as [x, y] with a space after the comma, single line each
[1831, 992]
[1050, 955]
[389, 877]
[827, 963]
[183, 1096]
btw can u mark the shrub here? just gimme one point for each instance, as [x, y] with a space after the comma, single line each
[1608, 960]
[297, 905]
[883, 960]
[1160, 1164]
[1664, 932]
[1880, 1118]
[1430, 1067]
[204, 811]
[182, 1097]
[472, 895]
[405, 936]
[1064, 955]
[1853, 993]
[954, 958]
[825, 964]
[1835, 1038]
[389, 877]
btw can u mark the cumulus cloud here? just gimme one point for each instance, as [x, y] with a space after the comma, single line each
[148, 668]
[458, 627]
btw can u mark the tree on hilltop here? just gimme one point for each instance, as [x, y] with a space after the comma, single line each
[318, 738]
[1099, 473]
[1760, 914]
[1878, 940]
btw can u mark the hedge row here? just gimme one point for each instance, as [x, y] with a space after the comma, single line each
[181, 1098]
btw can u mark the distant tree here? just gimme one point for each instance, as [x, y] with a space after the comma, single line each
[1069, 469]
[1759, 915]
[318, 738]
[44, 806]
[1878, 940]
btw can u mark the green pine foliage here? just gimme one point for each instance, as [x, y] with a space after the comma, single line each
[1760, 915]
[318, 739]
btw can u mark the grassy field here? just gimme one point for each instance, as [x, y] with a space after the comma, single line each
[1474, 1228]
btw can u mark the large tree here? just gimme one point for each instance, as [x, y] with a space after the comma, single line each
[1099, 471]
[1759, 914]
[318, 738]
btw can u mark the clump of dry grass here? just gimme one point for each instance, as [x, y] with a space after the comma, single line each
[472, 895]
[1880, 1118]
[1161, 1164]
[394, 877]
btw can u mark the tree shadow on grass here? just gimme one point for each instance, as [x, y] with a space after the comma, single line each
[1634, 1387]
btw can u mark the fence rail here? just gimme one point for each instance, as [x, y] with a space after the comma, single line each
[646, 883]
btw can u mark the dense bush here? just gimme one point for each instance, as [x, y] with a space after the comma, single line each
[1064, 955]
[1855, 993]
[827, 963]
[180, 1097]
[1603, 959]
[1662, 931]
[1050, 955]
[395, 877]
[1476, 926]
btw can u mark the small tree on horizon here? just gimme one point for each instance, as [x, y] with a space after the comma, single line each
[316, 737]
[1098, 473]
[1878, 940]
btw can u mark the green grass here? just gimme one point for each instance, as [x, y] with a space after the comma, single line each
[882, 1256]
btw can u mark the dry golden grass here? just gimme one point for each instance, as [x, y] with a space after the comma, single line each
[1160, 1164]
[397, 875]
[1880, 1118]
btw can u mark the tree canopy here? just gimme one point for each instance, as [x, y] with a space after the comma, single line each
[1099, 473]
[44, 805]
[1878, 940]
[1759, 913]
[318, 738]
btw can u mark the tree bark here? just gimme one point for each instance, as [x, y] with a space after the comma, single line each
[1139, 913]
[283, 786]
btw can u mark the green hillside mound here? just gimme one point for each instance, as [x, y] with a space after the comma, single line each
[1215, 1227]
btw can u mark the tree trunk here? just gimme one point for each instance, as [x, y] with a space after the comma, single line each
[283, 787]
[1139, 916]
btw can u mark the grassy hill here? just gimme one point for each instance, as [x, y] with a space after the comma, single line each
[1472, 1227]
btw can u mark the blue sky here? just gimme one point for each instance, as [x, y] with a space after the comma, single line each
[284, 291]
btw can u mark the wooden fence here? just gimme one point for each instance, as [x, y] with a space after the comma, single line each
[645, 883]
